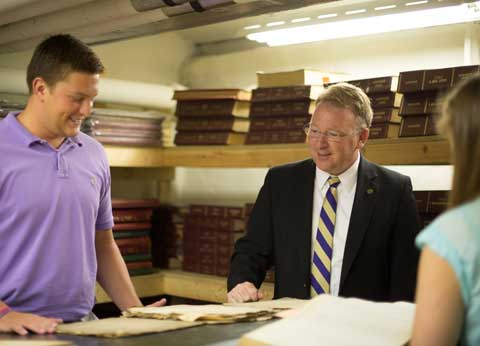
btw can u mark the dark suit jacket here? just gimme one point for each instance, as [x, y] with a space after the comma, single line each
[380, 259]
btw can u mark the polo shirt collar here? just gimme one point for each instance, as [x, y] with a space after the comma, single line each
[27, 138]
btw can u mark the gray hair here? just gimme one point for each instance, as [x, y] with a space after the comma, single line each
[344, 95]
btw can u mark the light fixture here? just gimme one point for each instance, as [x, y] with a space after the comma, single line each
[374, 24]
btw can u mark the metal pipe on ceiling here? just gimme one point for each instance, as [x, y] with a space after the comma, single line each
[90, 13]
[25, 9]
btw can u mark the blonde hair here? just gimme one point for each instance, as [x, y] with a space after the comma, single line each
[344, 95]
[460, 122]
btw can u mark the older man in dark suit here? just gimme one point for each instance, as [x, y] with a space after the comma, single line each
[335, 223]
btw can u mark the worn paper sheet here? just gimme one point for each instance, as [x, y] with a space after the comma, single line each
[335, 321]
[116, 327]
[34, 342]
[210, 312]
[274, 305]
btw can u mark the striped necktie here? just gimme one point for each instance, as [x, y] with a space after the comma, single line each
[323, 244]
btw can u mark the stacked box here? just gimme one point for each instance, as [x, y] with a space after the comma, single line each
[133, 224]
[212, 116]
[423, 93]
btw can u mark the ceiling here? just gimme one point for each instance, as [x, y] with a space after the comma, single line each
[24, 23]
[213, 25]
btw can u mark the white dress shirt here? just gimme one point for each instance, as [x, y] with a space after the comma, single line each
[346, 194]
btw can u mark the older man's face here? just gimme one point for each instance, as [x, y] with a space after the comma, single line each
[335, 154]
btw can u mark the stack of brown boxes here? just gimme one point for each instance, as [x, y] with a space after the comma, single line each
[282, 104]
[123, 128]
[385, 102]
[430, 204]
[133, 223]
[210, 233]
[423, 91]
[212, 116]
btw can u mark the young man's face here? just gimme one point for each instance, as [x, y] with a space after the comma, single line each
[68, 103]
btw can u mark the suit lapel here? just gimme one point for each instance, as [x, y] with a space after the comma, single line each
[303, 216]
[363, 206]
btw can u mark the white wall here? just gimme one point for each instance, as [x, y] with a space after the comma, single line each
[376, 55]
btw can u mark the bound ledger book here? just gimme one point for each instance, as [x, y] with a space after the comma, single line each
[197, 108]
[209, 138]
[297, 77]
[436, 79]
[212, 94]
[294, 92]
[335, 321]
[213, 124]
[377, 85]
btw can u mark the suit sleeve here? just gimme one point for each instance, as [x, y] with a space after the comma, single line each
[404, 259]
[253, 253]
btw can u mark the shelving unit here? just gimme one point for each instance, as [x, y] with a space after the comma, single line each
[182, 284]
[400, 151]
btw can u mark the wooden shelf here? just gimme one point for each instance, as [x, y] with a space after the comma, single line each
[399, 151]
[181, 284]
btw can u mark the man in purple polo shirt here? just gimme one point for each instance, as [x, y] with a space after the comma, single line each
[55, 206]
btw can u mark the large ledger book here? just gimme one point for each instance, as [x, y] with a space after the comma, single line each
[436, 79]
[213, 124]
[384, 130]
[108, 122]
[212, 94]
[385, 100]
[297, 77]
[282, 108]
[413, 126]
[132, 215]
[275, 137]
[209, 138]
[294, 92]
[377, 85]
[279, 123]
[421, 103]
[132, 141]
[386, 115]
[212, 108]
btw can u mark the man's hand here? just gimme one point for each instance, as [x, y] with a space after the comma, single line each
[158, 303]
[21, 323]
[244, 292]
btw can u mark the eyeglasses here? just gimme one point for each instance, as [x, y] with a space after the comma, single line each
[330, 135]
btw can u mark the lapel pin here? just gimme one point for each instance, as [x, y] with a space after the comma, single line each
[370, 191]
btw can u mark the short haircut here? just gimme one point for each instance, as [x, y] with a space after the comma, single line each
[460, 121]
[344, 95]
[58, 56]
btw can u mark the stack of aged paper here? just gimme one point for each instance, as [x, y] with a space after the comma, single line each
[144, 320]
[116, 327]
[209, 313]
[334, 321]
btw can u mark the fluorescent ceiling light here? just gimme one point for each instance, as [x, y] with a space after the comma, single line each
[370, 25]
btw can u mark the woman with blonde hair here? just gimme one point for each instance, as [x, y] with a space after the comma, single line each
[448, 287]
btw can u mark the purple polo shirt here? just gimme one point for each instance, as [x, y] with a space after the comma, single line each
[51, 203]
